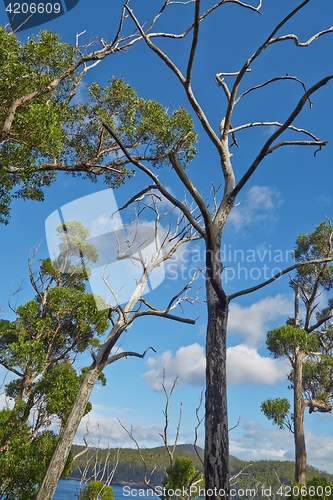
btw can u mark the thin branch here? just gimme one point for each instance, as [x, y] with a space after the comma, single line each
[275, 277]
[86, 444]
[145, 480]
[275, 79]
[137, 197]
[164, 436]
[202, 17]
[297, 42]
[194, 43]
[192, 100]
[247, 64]
[127, 354]
[11, 369]
[264, 151]
[163, 314]
[319, 144]
[193, 191]
[235, 426]
[246, 5]
[234, 73]
[220, 81]
[199, 422]
[320, 322]
[158, 184]
[273, 124]
[232, 478]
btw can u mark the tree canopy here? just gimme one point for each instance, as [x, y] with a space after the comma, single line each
[38, 349]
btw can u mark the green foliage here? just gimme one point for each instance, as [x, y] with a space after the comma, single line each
[97, 490]
[61, 321]
[283, 341]
[299, 340]
[57, 388]
[317, 488]
[143, 123]
[37, 134]
[74, 251]
[180, 477]
[50, 133]
[23, 460]
[315, 245]
[318, 378]
[277, 410]
[130, 468]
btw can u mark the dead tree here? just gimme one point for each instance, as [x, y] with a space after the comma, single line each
[196, 479]
[216, 422]
[136, 307]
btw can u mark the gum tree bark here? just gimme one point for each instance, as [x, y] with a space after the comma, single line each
[299, 407]
[216, 411]
[67, 435]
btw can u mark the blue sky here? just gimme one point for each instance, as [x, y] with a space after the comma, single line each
[290, 193]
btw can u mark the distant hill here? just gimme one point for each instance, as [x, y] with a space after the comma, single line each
[130, 469]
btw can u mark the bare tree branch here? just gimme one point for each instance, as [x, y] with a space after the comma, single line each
[275, 79]
[319, 145]
[199, 422]
[265, 149]
[192, 100]
[273, 124]
[194, 43]
[158, 184]
[127, 354]
[275, 277]
[296, 40]
[247, 64]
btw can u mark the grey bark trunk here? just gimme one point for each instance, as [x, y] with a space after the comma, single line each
[60, 455]
[216, 422]
[300, 448]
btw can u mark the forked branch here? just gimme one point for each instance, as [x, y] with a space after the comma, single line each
[267, 146]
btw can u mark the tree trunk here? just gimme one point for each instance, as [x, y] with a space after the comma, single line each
[216, 422]
[300, 449]
[60, 455]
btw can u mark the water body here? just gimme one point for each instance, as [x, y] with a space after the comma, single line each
[69, 489]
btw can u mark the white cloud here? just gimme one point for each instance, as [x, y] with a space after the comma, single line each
[258, 205]
[188, 364]
[255, 442]
[245, 366]
[251, 323]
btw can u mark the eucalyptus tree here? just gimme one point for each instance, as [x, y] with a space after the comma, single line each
[41, 129]
[306, 341]
[38, 349]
